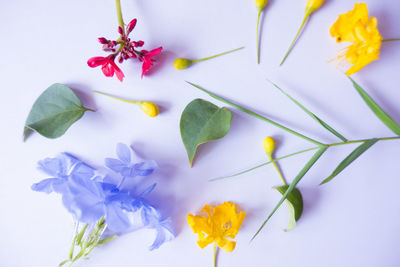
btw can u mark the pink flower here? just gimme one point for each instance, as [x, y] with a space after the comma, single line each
[147, 60]
[108, 66]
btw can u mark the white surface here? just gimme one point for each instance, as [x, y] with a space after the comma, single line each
[352, 221]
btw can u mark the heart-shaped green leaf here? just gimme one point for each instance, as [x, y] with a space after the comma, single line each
[378, 111]
[54, 112]
[294, 202]
[201, 122]
[350, 158]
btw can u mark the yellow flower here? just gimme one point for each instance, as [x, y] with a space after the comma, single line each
[269, 145]
[217, 224]
[356, 27]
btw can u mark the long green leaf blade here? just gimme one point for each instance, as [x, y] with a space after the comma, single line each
[350, 158]
[296, 180]
[378, 111]
[312, 115]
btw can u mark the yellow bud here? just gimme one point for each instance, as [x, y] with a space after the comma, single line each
[269, 145]
[313, 5]
[149, 108]
[260, 4]
[182, 63]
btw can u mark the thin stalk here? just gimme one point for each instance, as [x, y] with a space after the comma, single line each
[300, 152]
[230, 51]
[390, 40]
[263, 164]
[119, 14]
[215, 255]
[277, 169]
[257, 116]
[295, 38]
[258, 45]
[120, 99]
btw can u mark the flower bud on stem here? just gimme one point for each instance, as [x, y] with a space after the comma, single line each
[260, 4]
[269, 147]
[148, 108]
[183, 63]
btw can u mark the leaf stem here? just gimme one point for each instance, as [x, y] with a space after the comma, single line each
[257, 115]
[295, 38]
[230, 51]
[120, 99]
[119, 13]
[258, 45]
[390, 40]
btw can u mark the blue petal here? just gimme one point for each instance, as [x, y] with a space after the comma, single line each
[148, 190]
[143, 168]
[84, 208]
[51, 166]
[124, 153]
[116, 218]
[115, 164]
[83, 170]
[49, 185]
[164, 234]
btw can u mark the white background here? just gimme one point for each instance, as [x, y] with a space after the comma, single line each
[352, 221]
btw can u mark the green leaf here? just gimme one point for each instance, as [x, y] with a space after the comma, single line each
[201, 122]
[312, 115]
[350, 158]
[63, 262]
[292, 186]
[294, 201]
[379, 112]
[106, 240]
[54, 112]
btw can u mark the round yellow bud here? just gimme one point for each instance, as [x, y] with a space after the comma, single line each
[182, 63]
[260, 4]
[149, 108]
[269, 145]
[313, 5]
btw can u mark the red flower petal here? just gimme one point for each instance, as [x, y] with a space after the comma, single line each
[96, 61]
[154, 52]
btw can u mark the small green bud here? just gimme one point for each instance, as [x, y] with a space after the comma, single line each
[182, 63]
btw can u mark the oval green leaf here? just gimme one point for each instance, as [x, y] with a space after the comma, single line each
[294, 201]
[201, 122]
[54, 112]
[350, 158]
[378, 111]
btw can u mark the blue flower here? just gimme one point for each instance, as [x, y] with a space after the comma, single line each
[125, 167]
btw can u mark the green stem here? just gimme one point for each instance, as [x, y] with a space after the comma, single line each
[120, 99]
[258, 48]
[390, 40]
[230, 51]
[215, 255]
[295, 38]
[257, 115]
[300, 152]
[263, 164]
[277, 169]
[119, 13]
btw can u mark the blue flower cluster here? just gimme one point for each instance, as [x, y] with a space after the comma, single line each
[90, 197]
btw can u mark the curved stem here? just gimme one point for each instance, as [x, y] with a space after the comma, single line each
[257, 115]
[258, 47]
[119, 13]
[277, 169]
[390, 40]
[295, 38]
[263, 164]
[120, 99]
[230, 51]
